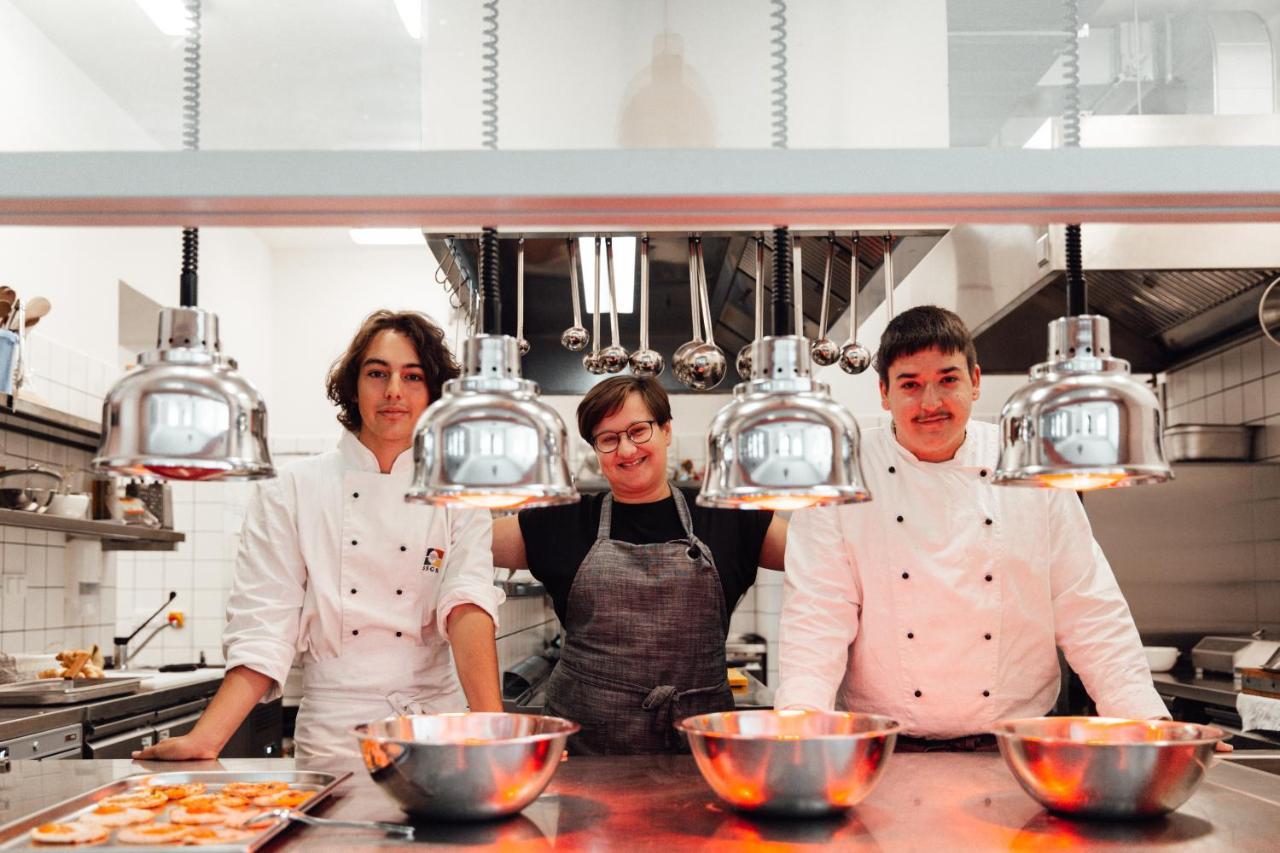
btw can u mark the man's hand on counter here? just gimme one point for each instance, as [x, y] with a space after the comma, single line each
[184, 748]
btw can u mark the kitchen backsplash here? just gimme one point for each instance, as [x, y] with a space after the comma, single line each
[55, 593]
[1240, 385]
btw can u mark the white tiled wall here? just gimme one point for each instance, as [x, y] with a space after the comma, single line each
[199, 570]
[1240, 385]
[53, 595]
[64, 379]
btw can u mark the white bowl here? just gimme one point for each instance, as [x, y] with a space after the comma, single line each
[1161, 658]
[69, 506]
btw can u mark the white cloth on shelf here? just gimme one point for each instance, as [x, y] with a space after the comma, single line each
[1258, 712]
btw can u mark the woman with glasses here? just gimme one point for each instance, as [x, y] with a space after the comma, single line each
[643, 580]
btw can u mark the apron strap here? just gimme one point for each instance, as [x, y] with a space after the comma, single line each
[605, 528]
[606, 517]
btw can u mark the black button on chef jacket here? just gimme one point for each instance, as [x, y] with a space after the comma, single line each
[557, 539]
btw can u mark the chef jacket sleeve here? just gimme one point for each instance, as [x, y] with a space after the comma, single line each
[821, 604]
[264, 609]
[1092, 623]
[468, 570]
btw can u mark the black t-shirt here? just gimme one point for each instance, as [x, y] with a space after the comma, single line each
[557, 539]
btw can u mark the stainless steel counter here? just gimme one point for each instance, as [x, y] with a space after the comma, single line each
[158, 691]
[1211, 691]
[926, 801]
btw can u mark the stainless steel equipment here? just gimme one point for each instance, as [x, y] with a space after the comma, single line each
[645, 362]
[823, 350]
[66, 691]
[1082, 421]
[854, 357]
[120, 659]
[750, 653]
[1104, 767]
[797, 763]
[1208, 443]
[55, 744]
[490, 441]
[1225, 655]
[320, 784]
[185, 413]
[28, 489]
[463, 766]
[782, 442]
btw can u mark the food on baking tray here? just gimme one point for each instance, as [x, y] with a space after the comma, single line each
[250, 790]
[69, 833]
[215, 835]
[91, 669]
[139, 798]
[156, 833]
[180, 792]
[283, 799]
[112, 815]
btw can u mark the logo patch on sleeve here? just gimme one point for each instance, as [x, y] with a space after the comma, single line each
[435, 559]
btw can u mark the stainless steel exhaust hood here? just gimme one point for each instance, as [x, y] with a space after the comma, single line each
[1170, 290]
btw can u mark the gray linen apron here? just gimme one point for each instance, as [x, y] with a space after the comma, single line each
[644, 642]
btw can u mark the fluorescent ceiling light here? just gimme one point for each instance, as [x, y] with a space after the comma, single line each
[170, 16]
[624, 270]
[387, 236]
[411, 16]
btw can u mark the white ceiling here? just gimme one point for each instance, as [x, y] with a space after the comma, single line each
[276, 74]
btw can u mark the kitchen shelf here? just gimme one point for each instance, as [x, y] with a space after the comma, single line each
[32, 419]
[114, 535]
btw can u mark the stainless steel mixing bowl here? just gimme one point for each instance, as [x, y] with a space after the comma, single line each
[795, 763]
[463, 766]
[1106, 767]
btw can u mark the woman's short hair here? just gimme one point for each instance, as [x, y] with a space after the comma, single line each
[610, 395]
[922, 328]
[438, 365]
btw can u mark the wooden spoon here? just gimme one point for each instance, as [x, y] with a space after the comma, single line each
[36, 309]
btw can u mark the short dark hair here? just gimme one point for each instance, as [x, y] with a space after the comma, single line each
[427, 338]
[922, 328]
[610, 395]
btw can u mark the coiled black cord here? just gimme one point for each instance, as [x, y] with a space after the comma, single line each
[1077, 288]
[784, 318]
[490, 301]
[489, 121]
[187, 281]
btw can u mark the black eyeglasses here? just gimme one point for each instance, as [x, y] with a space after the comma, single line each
[607, 442]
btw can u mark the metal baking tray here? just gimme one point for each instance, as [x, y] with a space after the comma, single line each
[16, 835]
[66, 691]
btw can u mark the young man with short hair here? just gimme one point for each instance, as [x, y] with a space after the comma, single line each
[943, 601]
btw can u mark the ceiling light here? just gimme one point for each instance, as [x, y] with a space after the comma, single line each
[169, 16]
[1082, 422]
[489, 442]
[387, 236]
[624, 264]
[782, 443]
[411, 16]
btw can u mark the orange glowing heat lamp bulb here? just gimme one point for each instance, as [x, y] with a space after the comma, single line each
[1082, 482]
[492, 501]
[177, 619]
[780, 503]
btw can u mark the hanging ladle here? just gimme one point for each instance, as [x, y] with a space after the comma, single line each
[707, 362]
[521, 342]
[645, 362]
[574, 338]
[744, 355]
[591, 361]
[680, 358]
[854, 357]
[613, 357]
[823, 351]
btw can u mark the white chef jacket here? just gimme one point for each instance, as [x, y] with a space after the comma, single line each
[942, 601]
[336, 567]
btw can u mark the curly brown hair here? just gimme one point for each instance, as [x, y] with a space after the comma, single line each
[427, 338]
